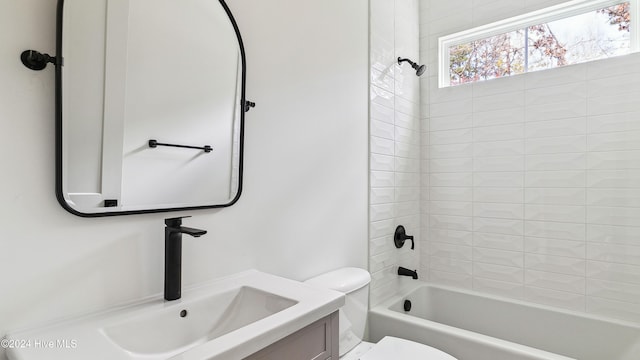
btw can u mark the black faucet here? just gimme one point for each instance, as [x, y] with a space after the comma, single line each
[406, 272]
[173, 255]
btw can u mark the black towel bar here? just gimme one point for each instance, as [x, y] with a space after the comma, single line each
[154, 143]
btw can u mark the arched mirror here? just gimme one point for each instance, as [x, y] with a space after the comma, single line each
[149, 106]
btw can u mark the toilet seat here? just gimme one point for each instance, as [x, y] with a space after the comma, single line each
[357, 352]
[395, 348]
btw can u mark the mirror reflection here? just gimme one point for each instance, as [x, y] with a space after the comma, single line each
[138, 78]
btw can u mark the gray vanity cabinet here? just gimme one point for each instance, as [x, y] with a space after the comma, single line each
[318, 341]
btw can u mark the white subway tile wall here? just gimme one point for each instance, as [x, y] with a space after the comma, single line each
[531, 184]
[395, 144]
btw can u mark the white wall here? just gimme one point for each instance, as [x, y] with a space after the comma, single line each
[533, 179]
[304, 206]
[395, 144]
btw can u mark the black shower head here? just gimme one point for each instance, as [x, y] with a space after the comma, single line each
[418, 68]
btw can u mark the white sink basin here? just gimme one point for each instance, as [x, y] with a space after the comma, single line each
[171, 331]
[230, 318]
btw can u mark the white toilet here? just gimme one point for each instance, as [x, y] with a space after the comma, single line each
[354, 283]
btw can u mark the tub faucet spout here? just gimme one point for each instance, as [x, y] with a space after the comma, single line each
[406, 272]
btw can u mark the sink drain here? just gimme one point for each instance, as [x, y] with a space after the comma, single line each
[183, 313]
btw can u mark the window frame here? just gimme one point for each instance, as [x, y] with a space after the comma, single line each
[549, 14]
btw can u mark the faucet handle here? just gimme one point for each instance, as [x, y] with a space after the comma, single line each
[175, 222]
[400, 236]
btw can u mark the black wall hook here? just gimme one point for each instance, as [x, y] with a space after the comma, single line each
[400, 236]
[36, 60]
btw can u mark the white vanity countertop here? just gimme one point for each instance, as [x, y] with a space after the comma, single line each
[84, 338]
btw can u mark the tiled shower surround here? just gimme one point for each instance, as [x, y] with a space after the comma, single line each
[530, 184]
[534, 189]
[394, 143]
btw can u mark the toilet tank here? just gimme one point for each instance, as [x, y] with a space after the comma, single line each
[354, 283]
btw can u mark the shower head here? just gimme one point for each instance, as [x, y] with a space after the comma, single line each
[418, 68]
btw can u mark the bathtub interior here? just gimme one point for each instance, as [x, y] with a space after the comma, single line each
[567, 333]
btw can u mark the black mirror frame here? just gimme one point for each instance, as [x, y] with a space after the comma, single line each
[58, 127]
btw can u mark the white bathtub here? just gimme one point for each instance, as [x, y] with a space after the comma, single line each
[473, 326]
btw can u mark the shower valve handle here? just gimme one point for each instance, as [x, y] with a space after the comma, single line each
[400, 236]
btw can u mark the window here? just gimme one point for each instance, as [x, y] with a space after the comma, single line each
[569, 33]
